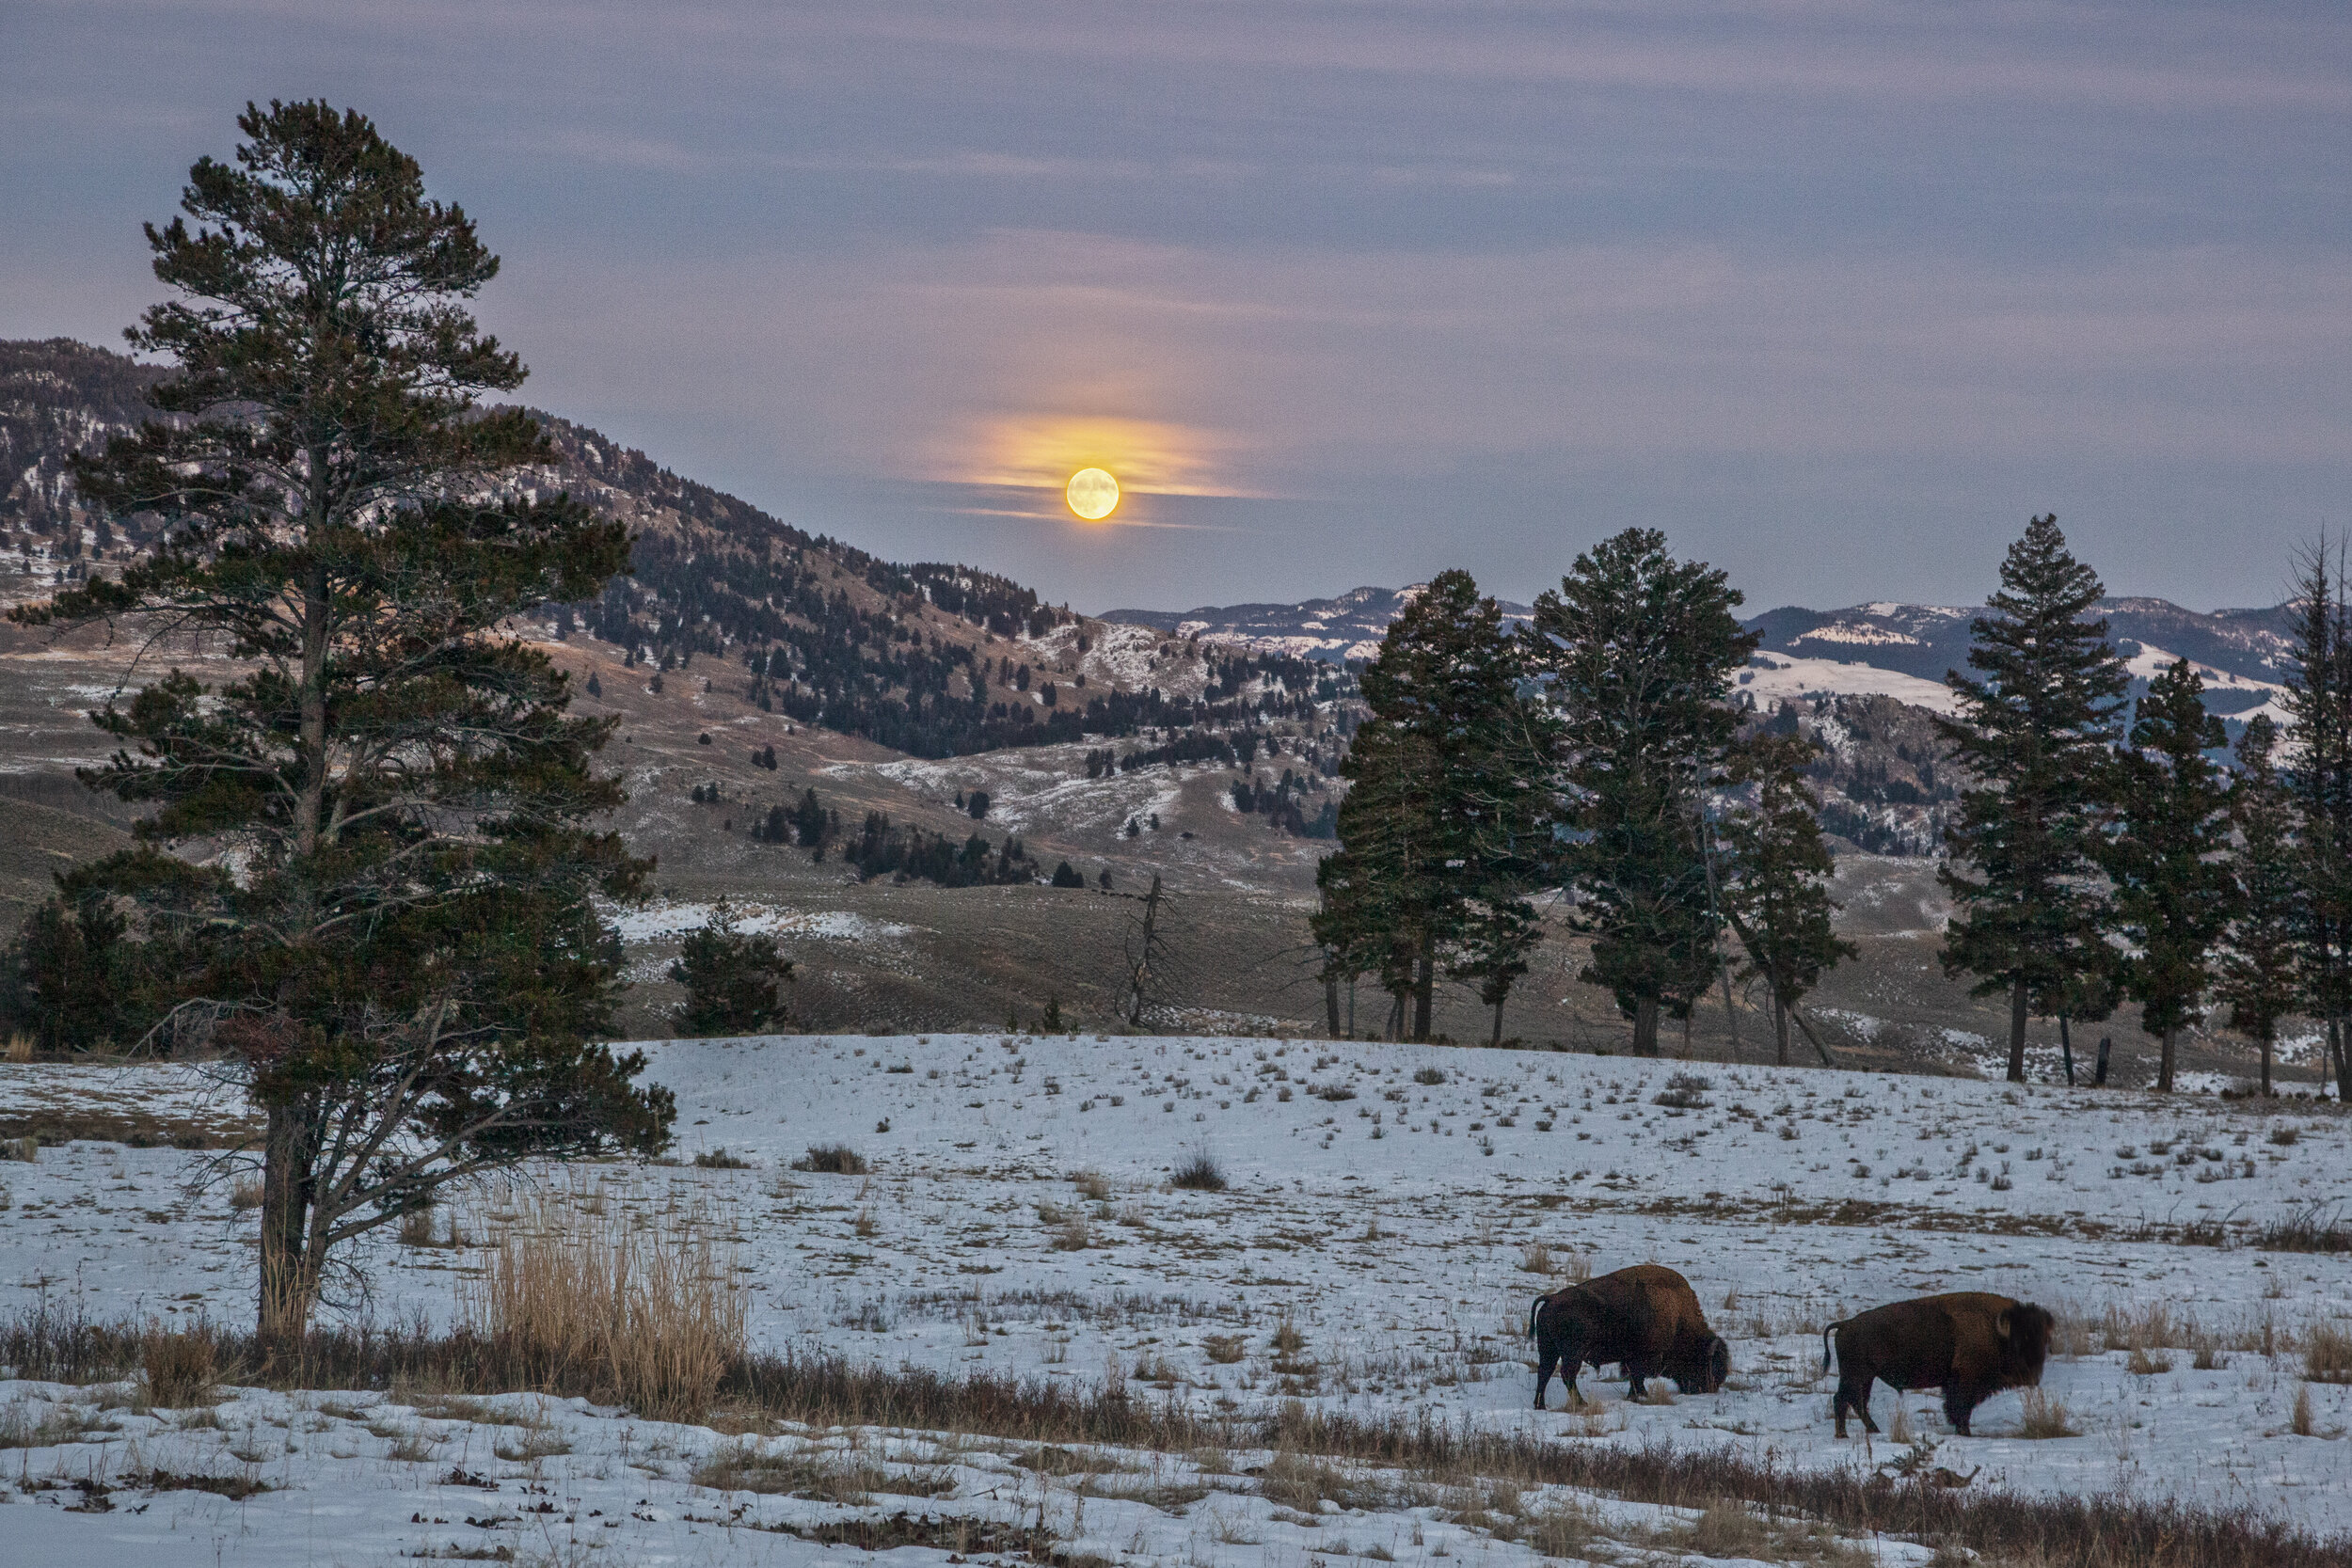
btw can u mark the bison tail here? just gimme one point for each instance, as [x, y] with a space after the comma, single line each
[1535, 1311]
[1826, 1330]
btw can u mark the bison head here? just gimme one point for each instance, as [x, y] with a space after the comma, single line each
[1703, 1366]
[2025, 1331]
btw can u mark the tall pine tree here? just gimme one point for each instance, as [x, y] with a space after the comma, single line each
[2167, 858]
[2318, 775]
[2261, 980]
[1776, 889]
[2037, 730]
[394, 938]
[1639, 649]
[1439, 829]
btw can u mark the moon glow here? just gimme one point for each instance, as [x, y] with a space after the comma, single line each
[1093, 494]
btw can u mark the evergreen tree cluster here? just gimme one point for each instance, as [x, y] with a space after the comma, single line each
[2104, 849]
[882, 848]
[1282, 801]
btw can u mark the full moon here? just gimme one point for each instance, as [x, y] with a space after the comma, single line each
[1092, 494]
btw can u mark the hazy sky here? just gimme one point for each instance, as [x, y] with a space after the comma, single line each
[1835, 293]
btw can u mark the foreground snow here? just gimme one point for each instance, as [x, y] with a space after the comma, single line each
[1391, 1223]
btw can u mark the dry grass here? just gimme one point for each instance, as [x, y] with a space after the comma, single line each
[2046, 1417]
[1224, 1349]
[2083, 1530]
[640, 1306]
[415, 1228]
[19, 1049]
[2328, 1353]
[24, 1149]
[1537, 1258]
[181, 1368]
[1091, 1186]
[245, 1194]
[847, 1480]
[831, 1159]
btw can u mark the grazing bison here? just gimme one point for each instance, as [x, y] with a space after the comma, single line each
[1970, 1345]
[1645, 1319]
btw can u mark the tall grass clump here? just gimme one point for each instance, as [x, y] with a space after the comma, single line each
[181, 1367]
[831, 1159]
[642, 1306]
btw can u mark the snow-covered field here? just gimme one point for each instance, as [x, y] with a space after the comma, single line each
[1390, 1228]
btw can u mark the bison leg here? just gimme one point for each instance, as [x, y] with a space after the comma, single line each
[1960, 1401]
[1854, 1393]
[1547, 1356]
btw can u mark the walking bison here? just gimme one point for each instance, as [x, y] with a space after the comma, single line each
[1644, 1318]
[1971, 1344]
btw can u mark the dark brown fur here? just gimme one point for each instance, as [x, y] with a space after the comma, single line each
[1971, 1344]
[1644, 1318]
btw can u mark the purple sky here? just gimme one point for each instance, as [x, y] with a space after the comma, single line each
[1836, 294]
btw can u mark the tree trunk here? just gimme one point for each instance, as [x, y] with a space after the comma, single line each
[2099, 1077]
[1331, 1004]
[1645, 1026]
[2066, 1050]
[2266, 1044]
[2164, 1061]
[311, 794]
[1497, 1038]
[1396, 1015]
[2344, 1078]
[2017, 1030]
[289, 1273]
[1780, 1030]
[1425, 985]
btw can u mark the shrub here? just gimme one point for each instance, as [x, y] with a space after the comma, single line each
[719, 1159]
[1429, 1075]
[1066, 875]
[831, 1159]
[1200, 1173]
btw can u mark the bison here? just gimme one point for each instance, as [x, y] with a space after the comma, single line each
[1644, 1318]
[1971, 1344]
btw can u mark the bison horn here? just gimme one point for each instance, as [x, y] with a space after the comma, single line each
[2000, 1323]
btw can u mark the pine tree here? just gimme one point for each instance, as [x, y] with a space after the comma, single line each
[2173, 884]
[400, 960]
[1639, 649]
[731, 979]
[2037, 730]
[2318, 775]
[1450, 810]
[2261, 980]
[1380, 888]
[1776, 887]
[810, 823]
